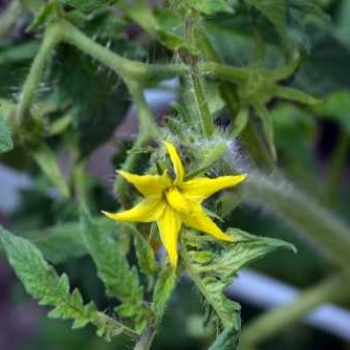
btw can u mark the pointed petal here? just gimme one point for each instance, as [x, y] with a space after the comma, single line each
[148, 185]
[176, 160]
[203, 223]
[169, 225]
[201, 188]
[177, 201]
[146, 211]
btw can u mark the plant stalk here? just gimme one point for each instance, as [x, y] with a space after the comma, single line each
[51, 38]
[333, 289]
[330, 234]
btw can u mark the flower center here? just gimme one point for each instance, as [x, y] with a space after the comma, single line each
[177, 201]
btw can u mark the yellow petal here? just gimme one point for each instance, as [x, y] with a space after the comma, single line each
[146, 211]
[177, 201]
[169, 225]
[202, 222]
[176, 160]
[201, 188]
[148, 185]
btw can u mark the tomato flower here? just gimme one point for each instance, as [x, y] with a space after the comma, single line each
[173, 202]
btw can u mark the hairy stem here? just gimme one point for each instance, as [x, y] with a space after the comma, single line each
[126, 68]
[196, 80]
[330, 234]
[51, 38]
[332, 289]
[251, 139]
[148, 130]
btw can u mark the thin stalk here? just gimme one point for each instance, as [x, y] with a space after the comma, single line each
[251, 139]
[330, 234]
[51, 38]
[148, 130]
[126, 68]
[332, 289]
[336, 166]
[196, 80]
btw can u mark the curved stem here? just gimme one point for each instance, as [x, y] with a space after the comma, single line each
[51, 38]
[148, 130]
[126, 68]
[337, 163]
[332, 289]
[330, 234]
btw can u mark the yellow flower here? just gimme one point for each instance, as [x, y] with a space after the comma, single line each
[173, 202]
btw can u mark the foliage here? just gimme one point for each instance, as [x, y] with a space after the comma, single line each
[254, 80]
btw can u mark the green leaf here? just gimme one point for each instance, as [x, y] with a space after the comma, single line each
[18, 53]
[227, 340]
[46, 160]
[88, 5]
[213, 265]
[323, 71]
[163, 290]
[145, 255]
[274, 10]
[45, 15]
[42, 282]
[336, 106]
[209, 7]
[34, 6]
[5, 136]
[120, 280]
[62, 242]
[97, 108]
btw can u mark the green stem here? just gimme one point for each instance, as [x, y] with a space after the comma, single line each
[251, 139]
[51, 38]
[126, 68]
[195, 79]
[148, 130]
[145, 342]
[305, 214]
[9, 17]
[333, 289]
[336, 166]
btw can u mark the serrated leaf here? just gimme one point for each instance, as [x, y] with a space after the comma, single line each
[5, 136]
[163, 290]
[88, 5]
[274, 10]
[145, 255]
[209, 7]
[97, 108]
[46, 160]
[43, 283]
[121, 281]
[216, 273]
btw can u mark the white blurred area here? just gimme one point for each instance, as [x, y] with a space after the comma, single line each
[249, 287]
